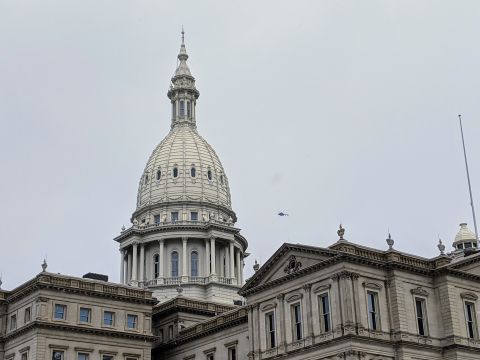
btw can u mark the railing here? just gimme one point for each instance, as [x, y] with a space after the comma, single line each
[172, 280]
[199, 223]
[202, 280]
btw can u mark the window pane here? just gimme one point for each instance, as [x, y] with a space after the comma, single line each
[193, 172]
[132, 321]
[108, 318]
[174, 264]
[174, 216]
[194, 216]
[156, 266]
[57, 355]
[59, 311]
[82, 356]
[175, 172]
[84, 315]
[194, 263]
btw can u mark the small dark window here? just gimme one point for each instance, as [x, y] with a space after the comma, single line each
[174, 264]
[132, 321]
[156, 219]
[159, 174]
[170, 332]
[60, 311]
[373, 315]
[85, 314]
[156, 266]
[194, 263]
[189, 109]
[421, 318]
[209, 174]
[297, 322]
[57, 355]
[182, 108]
[28, 315]
[468, 245]
[174, 216]
[221, 179]
[460, 246]
[324, 312]
[13, 322]
[146, 179]
[174, 109]
[232, 353]
[270, 322]
[194, 216]
[470, 317]
[193, 172]
[108, 318]
[175, 172]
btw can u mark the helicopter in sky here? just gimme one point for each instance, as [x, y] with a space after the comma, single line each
[281, 213]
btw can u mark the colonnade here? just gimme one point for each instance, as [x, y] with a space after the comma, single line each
[232, 272]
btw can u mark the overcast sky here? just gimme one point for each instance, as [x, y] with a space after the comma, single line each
[331, 111]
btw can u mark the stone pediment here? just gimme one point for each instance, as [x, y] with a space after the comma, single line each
[288, 260]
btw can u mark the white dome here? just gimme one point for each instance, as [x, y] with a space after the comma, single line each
[464, 234]
[183, 168]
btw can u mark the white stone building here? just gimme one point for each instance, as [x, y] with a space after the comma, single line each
[182, 293]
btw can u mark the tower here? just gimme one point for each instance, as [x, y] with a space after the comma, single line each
[183, 230]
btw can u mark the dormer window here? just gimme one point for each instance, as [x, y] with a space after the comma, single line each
[209, 174]
[182, 108]
[193, 172]
[159, 174]
[175, 172]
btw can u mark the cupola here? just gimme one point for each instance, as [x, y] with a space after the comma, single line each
[465, 239]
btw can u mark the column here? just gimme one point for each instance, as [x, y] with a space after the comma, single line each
[184, 260]
[134, 262]
[207, 257]
[125, 266]
[129, 266]
[161, 260]
[239, 270]
[309, 319]
[122, 267]
[212, 255]
[232, 260]
[142, 262]
[281, 340]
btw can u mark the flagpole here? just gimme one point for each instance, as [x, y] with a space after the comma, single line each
[468, 179]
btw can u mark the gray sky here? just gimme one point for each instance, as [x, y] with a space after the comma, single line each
[332, 111]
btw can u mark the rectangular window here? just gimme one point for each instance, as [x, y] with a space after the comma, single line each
[324, 310]
[27, 316]
[421, 312]
[85, 314]
[60, 312]
[13, 322]
[82, 356]
[210, 357]
[373, 315]
[108, 318]
[232, 353]
[132, 321]
[107, 357]
[24, 356]
[57, 355]
[174, 216]
[182, 108]
[297, 322]
[270, 326]
[471, 320]
[156, 219]
[194, 216]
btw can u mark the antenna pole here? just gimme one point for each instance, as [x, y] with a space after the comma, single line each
[468, 179]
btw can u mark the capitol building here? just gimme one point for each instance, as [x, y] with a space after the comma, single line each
[182, 293]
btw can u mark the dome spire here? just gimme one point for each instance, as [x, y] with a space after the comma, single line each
[182, 93]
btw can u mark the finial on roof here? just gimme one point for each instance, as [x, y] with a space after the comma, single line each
[341, 232]
[256, 266]
[183, 35]
[123, 228]
[390, 241]
[440, 246]
[182, 56]
[44, 265]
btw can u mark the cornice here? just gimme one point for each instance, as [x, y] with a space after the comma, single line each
[192, 306]
[38, 324]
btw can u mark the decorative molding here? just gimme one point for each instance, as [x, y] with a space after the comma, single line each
[280, 297]
[81, 349]
[269, 306]
[127, 354]
[307, 287]
[231, 343]
[292, 265]
[345, 275]
[60, 347]
[294, 297]
[469, 296]
[189, 357]
[322, 288]
[419, 291]
[210, 351]
[372, 285]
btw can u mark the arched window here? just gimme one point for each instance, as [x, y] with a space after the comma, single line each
[193, 172]
[189, 109]
[209, 174]
[194, 264]
[174, 264]
[156, 266]
[182, 108]
[175, 172]
[159, 174]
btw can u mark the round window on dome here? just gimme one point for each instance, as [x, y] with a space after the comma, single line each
[175, 172]
[209, 174]
[193, 172]
[159, 174]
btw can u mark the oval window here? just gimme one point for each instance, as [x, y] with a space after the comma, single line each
[209, 174]
[175, 172]
[159, 174]
[193, 172]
